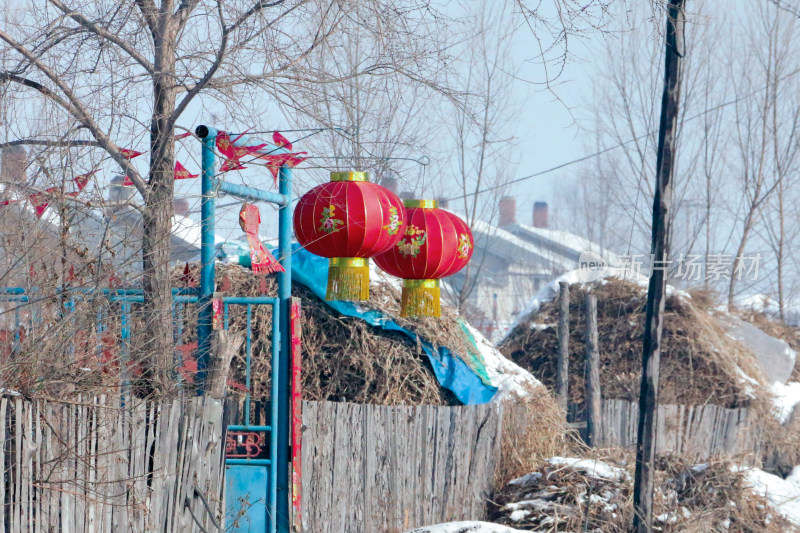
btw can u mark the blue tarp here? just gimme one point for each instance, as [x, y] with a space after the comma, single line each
[452, 372]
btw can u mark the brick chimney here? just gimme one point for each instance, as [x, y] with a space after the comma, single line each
[181, 206]
[14, 164]
[540, 215]
[508, 210]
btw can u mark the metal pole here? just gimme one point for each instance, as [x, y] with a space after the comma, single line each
[208, 213]
[280, 404]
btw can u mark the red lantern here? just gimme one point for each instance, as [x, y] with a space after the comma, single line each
[436, 244]
[348, 220]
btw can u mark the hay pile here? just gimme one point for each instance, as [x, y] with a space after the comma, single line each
[344, 359]
[699, 364]
[570, 494]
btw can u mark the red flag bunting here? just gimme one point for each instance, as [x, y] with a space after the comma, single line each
[41, 200]
[281, 141]
[181, 173]
[81, 182]
[275, 161]
[130, 154]
[183, 135]
[261, 261]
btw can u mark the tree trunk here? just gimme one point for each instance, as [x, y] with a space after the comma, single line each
[157, 356]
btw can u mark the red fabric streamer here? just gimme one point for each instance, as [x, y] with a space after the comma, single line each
[261, 261]
[182, 135]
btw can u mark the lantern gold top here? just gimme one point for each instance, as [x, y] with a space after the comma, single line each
[349, 176]
[425, 204]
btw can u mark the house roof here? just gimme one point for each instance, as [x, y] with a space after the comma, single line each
[562, 243]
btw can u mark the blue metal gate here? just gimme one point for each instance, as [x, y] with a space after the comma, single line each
[257, 488]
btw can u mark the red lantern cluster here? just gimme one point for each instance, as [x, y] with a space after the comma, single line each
[435, 244]
[349, 220]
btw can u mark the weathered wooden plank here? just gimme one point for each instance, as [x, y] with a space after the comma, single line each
[3, 443]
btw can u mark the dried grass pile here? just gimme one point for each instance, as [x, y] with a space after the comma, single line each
[344, 358]
[588, 495]
[700, 363]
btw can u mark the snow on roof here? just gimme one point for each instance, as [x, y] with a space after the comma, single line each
[508, 246]
[561, 242]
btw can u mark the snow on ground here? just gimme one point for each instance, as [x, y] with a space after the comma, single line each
[589, 467]
[509, 378]
[465, 527]
[787, 396]
[782, 494]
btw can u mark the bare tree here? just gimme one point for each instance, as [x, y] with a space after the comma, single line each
[110, 69]
[766, 133]
[478, 129]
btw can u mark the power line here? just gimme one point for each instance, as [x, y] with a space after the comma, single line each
[619, 145]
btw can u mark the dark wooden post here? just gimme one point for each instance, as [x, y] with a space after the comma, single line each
[593, 396]
[654, 310]
[562, 372]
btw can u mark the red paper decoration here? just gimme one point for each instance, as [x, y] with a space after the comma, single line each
[261, 261]
[348, 220]
[436, 244]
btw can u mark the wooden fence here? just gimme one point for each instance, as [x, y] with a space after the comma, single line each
[697, 432]
[371, 469]
[98, 466]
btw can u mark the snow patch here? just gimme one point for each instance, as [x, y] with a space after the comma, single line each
[509, 378]
[591, 467]
[466, 527]
[782, 494]
[787, 396]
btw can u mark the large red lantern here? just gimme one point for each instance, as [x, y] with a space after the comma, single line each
[436, 244]
[349, 220]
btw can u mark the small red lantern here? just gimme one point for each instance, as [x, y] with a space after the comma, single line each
[349, 220]
[436, 244]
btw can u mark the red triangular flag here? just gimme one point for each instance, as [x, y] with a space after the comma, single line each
[275, 161]
[81, 182]
[130, 154]
[231, 164]
[281, 141]
[41, 200]
[181, 173]
[127, 182]
[7, 202]
[187, 278]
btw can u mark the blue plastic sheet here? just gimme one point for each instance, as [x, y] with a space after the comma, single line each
[451, 372]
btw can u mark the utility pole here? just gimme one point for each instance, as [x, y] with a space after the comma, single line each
[651, 349]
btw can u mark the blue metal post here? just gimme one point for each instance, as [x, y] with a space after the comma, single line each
[280, 376]
[208, 213]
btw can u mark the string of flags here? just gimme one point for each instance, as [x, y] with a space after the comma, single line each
[226, 146]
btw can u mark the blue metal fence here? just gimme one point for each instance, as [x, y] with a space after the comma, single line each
[263, 482]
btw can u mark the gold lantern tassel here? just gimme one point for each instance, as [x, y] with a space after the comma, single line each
[348, 279]
[420, 298]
